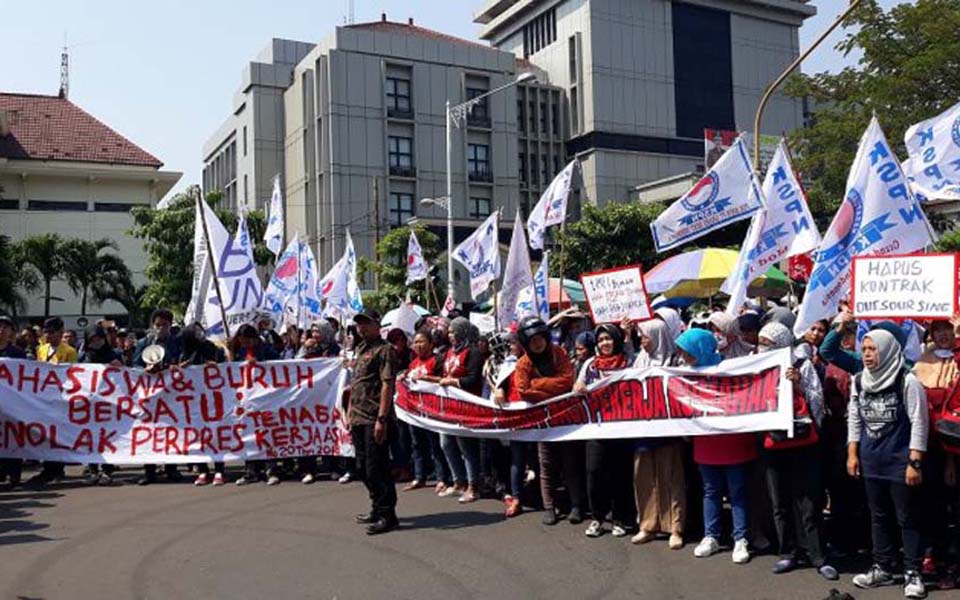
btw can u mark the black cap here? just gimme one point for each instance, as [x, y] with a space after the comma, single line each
[6, 320]
[368, 314]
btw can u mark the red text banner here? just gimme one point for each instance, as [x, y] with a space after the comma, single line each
[741, 395]
[233, 411]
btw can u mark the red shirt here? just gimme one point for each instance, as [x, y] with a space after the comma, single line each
[423, 367]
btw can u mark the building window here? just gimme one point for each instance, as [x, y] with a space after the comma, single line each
[479, 115]
[545, 165]
[118, 207]
[479, 208]
[244, 140]
[534, 173]
[556, 164]
[400, 209]
[58, 205]
[525, 204]
[540, 32]
[478, 162]
[521, 124]
[9, 204]
[246, 193]
[523, 168]
[543, 117]
[532, 113]
[574, 112]
[572, 57]
[398, 97]
[401, 155]
[555, 119]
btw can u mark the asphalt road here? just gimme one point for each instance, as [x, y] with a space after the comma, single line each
[296, 541]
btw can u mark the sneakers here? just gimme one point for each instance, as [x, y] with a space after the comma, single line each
[218, 479]
[594, 530]
[346, 477]
[642, 537]
[575, 517]
[200, 480]
[549, 516]
[513, 507]
[741, 554]
[676, 541]
[875, 577]
[308, 479]
[913, 585]
[273, 480]
[243, 481]
[784, 565]
[618, 530]
[708, 546]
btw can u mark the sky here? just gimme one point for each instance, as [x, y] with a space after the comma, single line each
[163, 74]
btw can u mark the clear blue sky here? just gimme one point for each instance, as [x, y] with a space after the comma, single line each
[163, 73]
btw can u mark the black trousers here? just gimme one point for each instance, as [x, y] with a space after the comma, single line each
[150, 471]
[795, 486]
[610, 480]
[891, 504]
[11, 468]
[373, 467]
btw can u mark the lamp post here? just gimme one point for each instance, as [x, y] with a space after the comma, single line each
[776, 82]
[457, 114]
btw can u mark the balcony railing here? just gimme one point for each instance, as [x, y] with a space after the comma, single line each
[400, 113]
[481, 176]
[398, 171]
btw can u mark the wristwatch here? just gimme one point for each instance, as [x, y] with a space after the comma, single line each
[916, 463]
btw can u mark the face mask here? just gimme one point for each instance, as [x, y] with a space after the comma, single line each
[721, 341]
[941, 353]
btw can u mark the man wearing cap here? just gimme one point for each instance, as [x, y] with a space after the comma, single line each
[372, 420]
[10, 468]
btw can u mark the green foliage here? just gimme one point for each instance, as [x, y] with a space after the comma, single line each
[949, 242]
[94, 273]
[43, 257]
[14, 276]
[909, 71]
[168, 240]
[391, 269]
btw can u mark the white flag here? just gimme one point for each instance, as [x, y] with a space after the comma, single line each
[517, 274]
[204, 306]
[240, 287]
[273, 236]
[934, 164]
[448, 306]
[339, 287]
[541, 284]
[786, 228]
[416, 266]
[304, 308]
[879, 216]
[284, 283]
[480, 254]
[551, 209]
[726, 194]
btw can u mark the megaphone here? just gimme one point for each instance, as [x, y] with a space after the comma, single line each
[153, 354]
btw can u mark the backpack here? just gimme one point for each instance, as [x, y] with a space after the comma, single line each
[804, 428]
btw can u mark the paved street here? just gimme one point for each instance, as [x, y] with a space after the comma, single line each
[296, 541]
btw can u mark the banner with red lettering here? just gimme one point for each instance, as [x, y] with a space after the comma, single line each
[740, 395]
[233, 411]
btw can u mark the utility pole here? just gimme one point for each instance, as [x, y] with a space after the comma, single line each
[376, 229]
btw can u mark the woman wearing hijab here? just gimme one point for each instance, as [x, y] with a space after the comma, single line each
[672, 319]
[543, 372]
[462, 368]
[723, 460]
[793, 475]
[584, 348]
[726, 329]
[887, 438]
[608, 462]
[659, 481]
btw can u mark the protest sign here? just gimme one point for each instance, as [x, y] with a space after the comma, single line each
[616, 294]
[485, 323]
[88, 413]
[914, 286]
[741, 395]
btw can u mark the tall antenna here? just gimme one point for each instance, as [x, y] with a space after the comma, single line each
[351, 17]
[64, 70]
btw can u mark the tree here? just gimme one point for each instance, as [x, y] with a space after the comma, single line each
[168, 240]
[94, 273]
[43, 255]
[14, 276]
[909, 71]
[391, 268]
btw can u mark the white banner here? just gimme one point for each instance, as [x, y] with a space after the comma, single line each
[480, 254]
[919, 286]
[740, 395]
[87, 413]
[784, 229]
[879, 216]
[726, 194]
[616, 294]
[551, 209]
[273, 236]
[934, 163]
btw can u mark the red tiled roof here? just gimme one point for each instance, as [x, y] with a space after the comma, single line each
[410, 28]
[53, 128]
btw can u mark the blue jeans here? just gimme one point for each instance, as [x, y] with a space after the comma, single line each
[463, 456]
[518, 466]
[715, 479]
[420, 450]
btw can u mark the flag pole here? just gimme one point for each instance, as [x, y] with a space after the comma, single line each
[496, 308]
[212, 263]
[299, 283]
[536, 296]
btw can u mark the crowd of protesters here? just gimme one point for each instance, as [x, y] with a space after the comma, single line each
[866, 452]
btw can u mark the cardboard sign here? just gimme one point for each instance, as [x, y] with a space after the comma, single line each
[485, 323]
[616, 294]
[920, 286]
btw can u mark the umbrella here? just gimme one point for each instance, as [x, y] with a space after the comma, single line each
[700, 273]
[391, 316]
[565, 294]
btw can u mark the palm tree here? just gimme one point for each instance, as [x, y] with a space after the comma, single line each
[44, 256]
[94, 273]
[13, 276]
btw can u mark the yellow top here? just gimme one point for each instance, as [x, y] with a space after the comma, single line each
[64, 353]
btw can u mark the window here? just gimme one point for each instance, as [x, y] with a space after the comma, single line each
[534, 173]
[556, 164]
[532, 113]
[543, 117]
[398, 96]
[118, 207]
[555, 118]
[9, 204]
[523, 168]
[540, 32]
[479, 115]
[59, 205]
[401, 155]
[479, 207]
[400, 209]
[521, 123]
[525, 204]
[545, 166]
[244, 140]
[574, 112]
[572, 52]
[478, 162]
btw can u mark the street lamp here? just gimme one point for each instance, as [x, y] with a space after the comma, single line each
[457, 114]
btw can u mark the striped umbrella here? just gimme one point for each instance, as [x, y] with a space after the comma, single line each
[700, 273]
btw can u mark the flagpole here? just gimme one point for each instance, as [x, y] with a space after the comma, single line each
[299, 283]
[496, 308]
[212, 263]
[536, 296]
